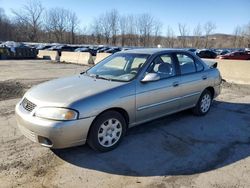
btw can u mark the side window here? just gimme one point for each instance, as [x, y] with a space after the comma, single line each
[199, 66]
[187, 64]
[138, 62]
[163, 65]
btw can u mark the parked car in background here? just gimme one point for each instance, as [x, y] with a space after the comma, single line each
[127, 88]
[63, 48]
[102, 49]
[206, 54]
[43, 46]
[244, 55]
[113, 50]
[86, 49]
[17, 50]
[222, 52]
[96, 48]
[125, 48]
[192, 50]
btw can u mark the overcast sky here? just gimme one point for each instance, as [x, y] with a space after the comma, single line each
[226, 14]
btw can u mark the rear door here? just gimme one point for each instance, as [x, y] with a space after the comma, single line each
[193, 79]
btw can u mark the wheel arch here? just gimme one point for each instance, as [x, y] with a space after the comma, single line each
[211, 90]
[123, 112]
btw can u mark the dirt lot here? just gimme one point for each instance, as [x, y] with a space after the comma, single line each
[180, 150]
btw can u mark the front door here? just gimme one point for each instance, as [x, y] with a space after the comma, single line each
[157, 98]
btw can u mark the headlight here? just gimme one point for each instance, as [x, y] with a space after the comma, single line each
[56, 113]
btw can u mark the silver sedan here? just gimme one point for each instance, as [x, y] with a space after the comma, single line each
[124, 90]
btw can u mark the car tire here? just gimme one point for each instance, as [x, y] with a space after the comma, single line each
[107, 131]
[204, 103]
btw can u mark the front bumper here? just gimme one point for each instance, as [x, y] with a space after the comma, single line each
[50, 133]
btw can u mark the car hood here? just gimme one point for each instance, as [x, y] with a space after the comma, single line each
[64, 91]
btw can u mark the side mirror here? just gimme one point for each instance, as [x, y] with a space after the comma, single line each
[150, 77]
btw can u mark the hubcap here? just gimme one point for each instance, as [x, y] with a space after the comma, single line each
[205, 103]
[109, 132]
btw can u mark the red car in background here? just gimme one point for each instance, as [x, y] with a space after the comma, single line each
[237, 55]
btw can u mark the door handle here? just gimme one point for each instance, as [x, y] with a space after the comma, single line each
[175, 84]
[204, 77]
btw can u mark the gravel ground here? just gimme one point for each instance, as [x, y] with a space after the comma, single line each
[10, 90]
[179, 150]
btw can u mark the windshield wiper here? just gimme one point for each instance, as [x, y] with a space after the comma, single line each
[103, 78]
[96, 76]
[90, 75]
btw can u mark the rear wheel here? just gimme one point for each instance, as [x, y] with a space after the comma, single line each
[204, 103]
[107, 131]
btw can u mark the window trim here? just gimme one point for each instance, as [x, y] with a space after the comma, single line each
[201, 65]
[194, 61]
[173, 62]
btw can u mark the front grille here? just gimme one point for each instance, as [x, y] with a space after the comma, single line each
[27, 105]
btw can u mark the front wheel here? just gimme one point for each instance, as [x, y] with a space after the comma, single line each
[204, 103]
[107, 131]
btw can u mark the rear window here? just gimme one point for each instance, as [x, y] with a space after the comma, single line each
[199, 66]
[187, 64]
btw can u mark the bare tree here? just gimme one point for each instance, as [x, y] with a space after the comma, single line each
[60, 21]
[123, 26]
[197, 34]
[157, 33]
[113, 17]
[132, 38]
[2, 15]
[6, 26]
[73, 25]
[29, 19]
[97, 31]
[183, 30]
[209, 28]
[237, 39]
[128, 30]
[109, 25]
[170, 37]
[145, 24]
[84, 36]
[247, 35]
[105, 27]
[63, 26]
[56, 22]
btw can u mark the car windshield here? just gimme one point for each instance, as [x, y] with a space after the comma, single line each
[118, 67]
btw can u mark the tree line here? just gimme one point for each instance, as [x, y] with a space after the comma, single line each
[34, 23]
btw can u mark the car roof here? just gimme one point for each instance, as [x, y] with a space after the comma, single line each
[151, 51]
